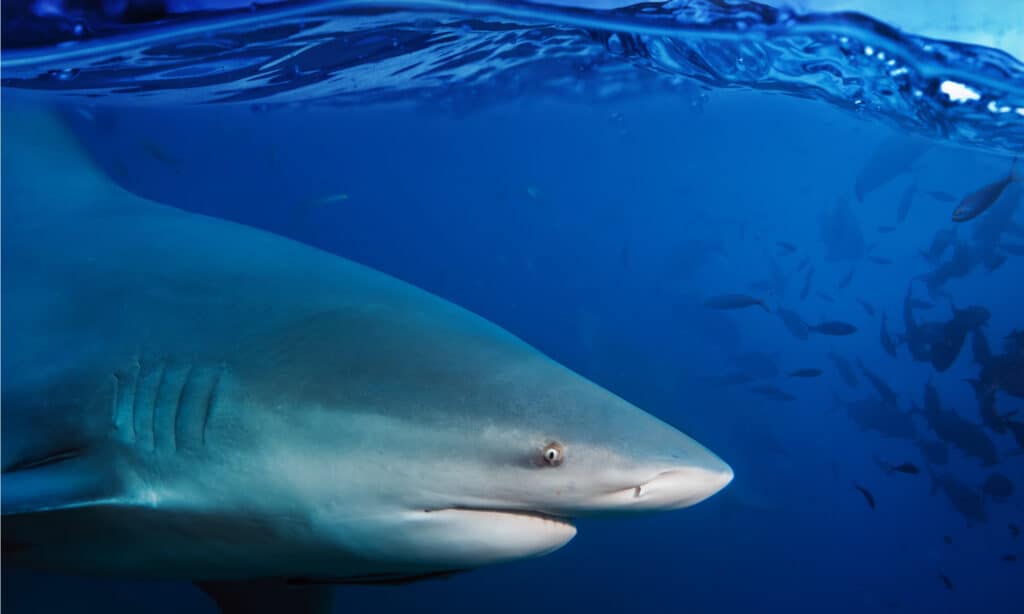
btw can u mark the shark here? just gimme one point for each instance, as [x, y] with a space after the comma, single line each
[188, 398]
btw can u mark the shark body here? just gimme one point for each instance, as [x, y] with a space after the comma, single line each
[189, 398]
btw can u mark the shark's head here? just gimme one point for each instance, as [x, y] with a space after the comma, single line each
[482, 450]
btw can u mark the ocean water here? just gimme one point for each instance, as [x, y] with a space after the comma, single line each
[588, 178]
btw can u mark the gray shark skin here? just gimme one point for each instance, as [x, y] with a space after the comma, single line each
[188, 398]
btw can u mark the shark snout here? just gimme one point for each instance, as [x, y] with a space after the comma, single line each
[669, 489]
[682, 487]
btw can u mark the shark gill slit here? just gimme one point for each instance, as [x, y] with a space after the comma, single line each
[156, 413]
[211, 398]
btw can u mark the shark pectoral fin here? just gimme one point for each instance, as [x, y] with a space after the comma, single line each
[60, 481]
[269, 596]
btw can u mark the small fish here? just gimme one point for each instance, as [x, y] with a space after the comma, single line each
[734, 301]
[330, 199]
[905, 468]
[978, 201]
[1009, 558]
[806, 372]
[1014, 530]
[825, 297]
[946, 581]
[803, 263]
[833, 328]
[785, 248]
[880, 260]
[886, 229]
[947, 539]
[867, 307]
[870, 498]
[906, 200]
[845, 281]
[942, 197]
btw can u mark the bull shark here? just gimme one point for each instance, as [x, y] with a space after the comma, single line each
[188, 398]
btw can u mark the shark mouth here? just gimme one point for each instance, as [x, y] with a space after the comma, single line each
[526, 514]
[470, 537]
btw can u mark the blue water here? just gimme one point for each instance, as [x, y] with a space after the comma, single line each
[586, 179]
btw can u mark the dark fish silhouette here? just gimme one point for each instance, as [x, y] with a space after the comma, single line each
[885, 391]
[941, 241]
[998, 487]
[883, 334]
[907, 468]
[846, 279]
[793, 323]
[833, 328]
[939, 342]
[947, 539]
[966, 501]
[868, 308]
[1014, 530]
[880, 260]
[785, 248]
[962, 434]
[806, 372]
[945, 580]
[846, 372]
[906, 200]
[977, 202]
[985, 393]
[734, 301]
[1009, 558]
[867, 495]
[1000, 372]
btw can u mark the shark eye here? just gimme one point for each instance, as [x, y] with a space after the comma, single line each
[554, 454]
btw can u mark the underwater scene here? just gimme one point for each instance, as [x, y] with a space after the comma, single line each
[477, 306]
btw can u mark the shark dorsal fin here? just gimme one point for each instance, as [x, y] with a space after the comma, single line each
[41, 134]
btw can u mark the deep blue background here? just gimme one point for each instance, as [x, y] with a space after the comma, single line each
[594, 230]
